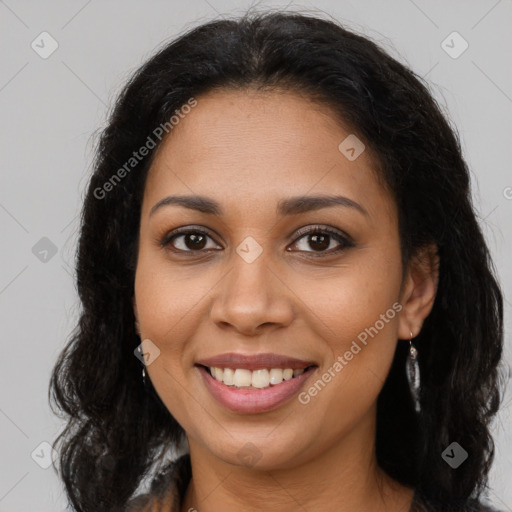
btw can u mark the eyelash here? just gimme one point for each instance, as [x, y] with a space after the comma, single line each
[344, 240]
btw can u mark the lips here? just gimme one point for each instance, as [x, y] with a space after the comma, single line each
[249, 389]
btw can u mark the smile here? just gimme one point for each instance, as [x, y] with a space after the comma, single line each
[254, 384]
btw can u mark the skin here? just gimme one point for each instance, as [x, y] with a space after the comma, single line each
[248, 150]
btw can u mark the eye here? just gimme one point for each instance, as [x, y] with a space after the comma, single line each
[322, 238]
[189, 239]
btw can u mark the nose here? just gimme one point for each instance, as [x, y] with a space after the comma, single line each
[252, 297]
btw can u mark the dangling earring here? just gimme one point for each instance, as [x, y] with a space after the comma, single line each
[413, 374]
[139, 350]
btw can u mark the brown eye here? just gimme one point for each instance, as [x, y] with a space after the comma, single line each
[322, 240]
[194, 241]
[189, 240]
[319, 242]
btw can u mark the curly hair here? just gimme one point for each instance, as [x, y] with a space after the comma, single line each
[117, 429]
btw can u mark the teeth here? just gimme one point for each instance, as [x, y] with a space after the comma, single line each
[262, 378]
[276, 376]
[242, 378]
[218, 373]
[229, 376]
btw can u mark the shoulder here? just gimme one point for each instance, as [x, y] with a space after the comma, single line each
[167, 489]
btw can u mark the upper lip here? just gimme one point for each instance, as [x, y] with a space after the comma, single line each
[255, 361]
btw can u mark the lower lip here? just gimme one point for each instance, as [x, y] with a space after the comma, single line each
[253, 401]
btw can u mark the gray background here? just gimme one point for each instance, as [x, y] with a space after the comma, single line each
[51, 108]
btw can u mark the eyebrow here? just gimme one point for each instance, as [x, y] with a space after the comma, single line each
[285, 207]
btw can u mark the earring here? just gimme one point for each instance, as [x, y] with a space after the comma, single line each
[413, 374]
[139, 350]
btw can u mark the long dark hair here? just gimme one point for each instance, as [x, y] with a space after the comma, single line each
[116, 428]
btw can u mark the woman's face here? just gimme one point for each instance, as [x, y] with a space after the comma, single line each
[245, 282]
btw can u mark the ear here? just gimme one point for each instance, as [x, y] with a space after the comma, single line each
[136, 314]
[418, 291]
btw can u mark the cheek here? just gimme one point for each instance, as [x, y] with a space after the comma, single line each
[355, 311]
[168, 302]
[168, 295]
[172, 303]
[352, 297]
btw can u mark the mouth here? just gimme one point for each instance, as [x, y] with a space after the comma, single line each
[254, 384]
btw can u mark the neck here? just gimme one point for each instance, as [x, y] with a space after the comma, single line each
[345, 477]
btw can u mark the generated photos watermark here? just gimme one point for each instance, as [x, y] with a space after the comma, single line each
[144, 150]
[343, 360]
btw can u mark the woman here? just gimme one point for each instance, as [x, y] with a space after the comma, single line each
[281, 275]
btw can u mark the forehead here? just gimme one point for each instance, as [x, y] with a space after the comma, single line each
[247, 145]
